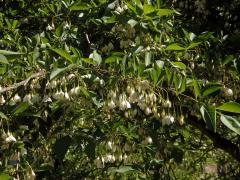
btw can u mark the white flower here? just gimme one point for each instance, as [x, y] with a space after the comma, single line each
[47, 99]
[111, 104]
[228, 92]
[133, 97]
[17, 98]
[147, 111]
[2, 100]
[125, 158]
[70, 76]
[23, 152]
[10, 138]
[108, 158]
[36, 98]
[167, 120]
[109, 145]
[53, 84]
[66, 96]
[98, 162]
[120, 157]
[27, 98]
[149, 140]
[124, 104]
[167, 104]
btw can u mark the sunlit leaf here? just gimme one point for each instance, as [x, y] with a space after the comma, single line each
[232, 123]
[230, 107]
[63, 53]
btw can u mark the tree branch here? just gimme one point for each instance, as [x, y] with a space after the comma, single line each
[218, 141]
[24, 82]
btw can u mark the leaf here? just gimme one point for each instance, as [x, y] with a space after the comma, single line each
[231, 123]
[112, 59]
[210, 90]
[90, 149]
[63, 53]
[148, 9]
[209, 116]
[183, 85]
[230, 107]
[4, 176]
[164, 12]
[89, 61]
[148, 57]
[21, 108]
[3, 116]
[3, 59]
[84, 91]
[5, 52]
[175, 47]
[82, 6]
[179, 65]
[196, 88]
[228, 59]
[132, 22]
[124, 169]
[193, 44]
[56, 71]
[61, 147]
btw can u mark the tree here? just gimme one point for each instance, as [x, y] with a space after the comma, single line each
[118, 89]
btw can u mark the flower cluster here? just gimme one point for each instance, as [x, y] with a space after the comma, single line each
[140, 96]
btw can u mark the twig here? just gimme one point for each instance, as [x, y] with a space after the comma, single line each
[24, 82]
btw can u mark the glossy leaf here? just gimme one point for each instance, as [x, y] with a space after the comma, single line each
[210, 90]
[196, 88]
[231, 122]
[56, 72]
[230, 107]
[175, 47]
[179, 65]
[209, 116]
[63, 53]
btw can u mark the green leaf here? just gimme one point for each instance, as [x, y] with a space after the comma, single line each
[4, 176]
[21, 108]
[231, 123]
[63, 53]
[80, 7]
[84, 91]
[89, 61]
[61, 147]
[113, 59]
[196, 88]
[5, 52]
[183, 85]
[148, 9]
[230, 107]
[148, 57]
[179, 65]
[3, 116]
[228, 59]
[175, 47]
[209, 116]
[90, 149]
[56, 72]
[124, 169]
[210, 90]
[3, 59]
[164, 12]
[192, 45]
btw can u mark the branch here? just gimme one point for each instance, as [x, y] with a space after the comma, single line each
[24, 82]
[218, 141]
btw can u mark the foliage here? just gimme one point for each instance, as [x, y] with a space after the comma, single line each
[114, 89]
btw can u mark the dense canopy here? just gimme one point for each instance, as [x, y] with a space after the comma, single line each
[144, 89]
